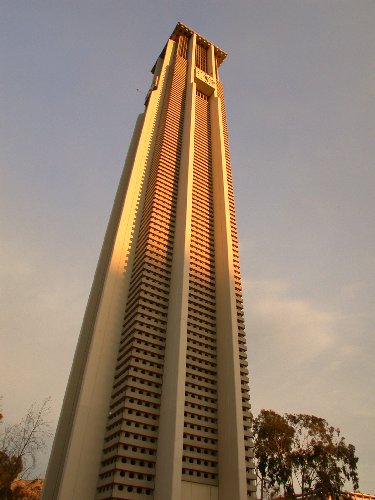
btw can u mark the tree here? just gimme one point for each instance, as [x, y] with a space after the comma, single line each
[302, 451]
[273, 441]
[19, 445]
[27, 490]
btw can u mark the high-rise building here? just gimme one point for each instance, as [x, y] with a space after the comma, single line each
[157, 403]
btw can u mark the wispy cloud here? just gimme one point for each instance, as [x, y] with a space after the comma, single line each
[300, 350]
[295, 329]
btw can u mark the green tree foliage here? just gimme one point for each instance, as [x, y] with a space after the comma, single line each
[273, 441]
[19, 445]
[303, 453]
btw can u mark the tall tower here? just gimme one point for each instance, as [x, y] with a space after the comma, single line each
[157, 404]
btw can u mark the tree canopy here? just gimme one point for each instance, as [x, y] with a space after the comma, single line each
[19, 445]
[303, 453]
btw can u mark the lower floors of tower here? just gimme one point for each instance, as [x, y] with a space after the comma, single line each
[189, 491]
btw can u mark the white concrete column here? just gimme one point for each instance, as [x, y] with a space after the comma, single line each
[75, 459]
[171, 425]
[211, 63]
[232, 468]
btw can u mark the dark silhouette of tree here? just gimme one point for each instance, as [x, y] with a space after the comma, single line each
[10, 468]
[303, 452]
[19, 445]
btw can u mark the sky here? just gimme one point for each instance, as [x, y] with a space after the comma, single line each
[300, 95]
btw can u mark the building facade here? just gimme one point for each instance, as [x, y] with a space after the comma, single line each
[157, 403]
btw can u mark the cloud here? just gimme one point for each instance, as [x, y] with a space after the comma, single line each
[291, 330]
[303, 355]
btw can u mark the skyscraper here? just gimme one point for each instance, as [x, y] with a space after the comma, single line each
[157, 403]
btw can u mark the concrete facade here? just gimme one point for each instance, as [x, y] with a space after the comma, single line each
[157, 404]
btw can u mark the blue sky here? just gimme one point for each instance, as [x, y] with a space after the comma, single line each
[300, 95]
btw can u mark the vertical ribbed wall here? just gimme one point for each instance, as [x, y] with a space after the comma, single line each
[247, 417]
[200, 423]
[130, 448]
[168, 231]
[201, 57]
[129, 452]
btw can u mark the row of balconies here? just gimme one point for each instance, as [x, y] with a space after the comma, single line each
[208, 369]
[207, 347]
[203, 400]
